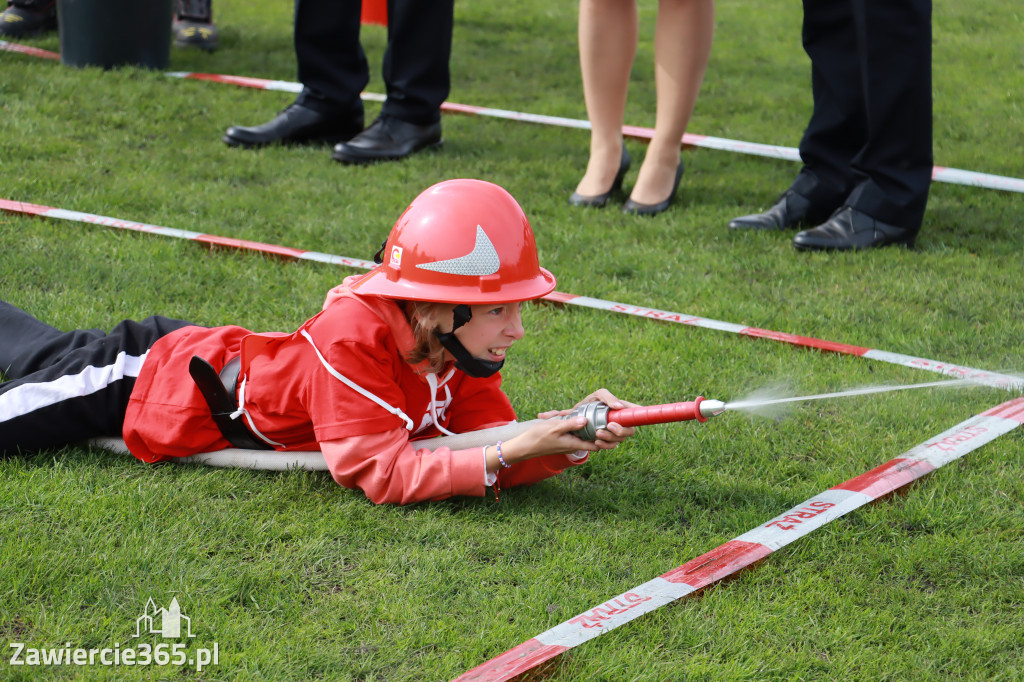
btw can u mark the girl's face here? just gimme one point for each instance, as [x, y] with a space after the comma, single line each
[491, 330]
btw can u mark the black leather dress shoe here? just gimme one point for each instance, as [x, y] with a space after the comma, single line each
[848, 229]
[636, 208]
[792, 210]
[296, 125]
[388, 139]
[599, 200]
[23, 20]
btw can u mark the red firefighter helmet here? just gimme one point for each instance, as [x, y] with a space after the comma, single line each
[460, 241]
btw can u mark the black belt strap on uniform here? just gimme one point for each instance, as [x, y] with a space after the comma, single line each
[219, 392]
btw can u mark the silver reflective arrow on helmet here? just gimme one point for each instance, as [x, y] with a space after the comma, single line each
[482, 260]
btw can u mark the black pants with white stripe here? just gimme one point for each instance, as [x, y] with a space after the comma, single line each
[65, 387]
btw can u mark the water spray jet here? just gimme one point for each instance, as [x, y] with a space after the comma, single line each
[757, 403]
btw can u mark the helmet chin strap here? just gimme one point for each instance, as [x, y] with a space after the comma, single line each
[474, 367]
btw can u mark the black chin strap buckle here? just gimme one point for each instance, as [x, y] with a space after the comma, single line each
[460, 316]
[474, 367]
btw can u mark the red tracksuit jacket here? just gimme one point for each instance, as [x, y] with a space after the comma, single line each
[295, 401]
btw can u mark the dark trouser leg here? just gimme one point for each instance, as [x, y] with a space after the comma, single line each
[838, 128]
[894, 167]
[332, 66]
[81, 391]
[416, 64]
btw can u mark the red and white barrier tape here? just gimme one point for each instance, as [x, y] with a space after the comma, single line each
[994, 379]
[27, 49]
[939, 173]
[23, 208]
[754, 545]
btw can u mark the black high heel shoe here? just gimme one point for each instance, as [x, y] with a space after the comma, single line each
[636, 208]
[599, 200]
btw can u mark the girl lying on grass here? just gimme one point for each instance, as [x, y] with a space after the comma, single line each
[406, 351]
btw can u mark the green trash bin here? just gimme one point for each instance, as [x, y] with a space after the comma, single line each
[111, 33]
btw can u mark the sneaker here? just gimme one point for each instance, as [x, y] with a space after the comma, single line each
[24, 18]
[193, 25]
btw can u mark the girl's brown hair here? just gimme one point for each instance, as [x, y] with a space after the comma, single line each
[424, 317]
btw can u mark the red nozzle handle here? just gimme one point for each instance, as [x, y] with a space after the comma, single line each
[658, 414]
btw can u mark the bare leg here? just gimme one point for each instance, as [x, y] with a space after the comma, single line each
[608, 37]
[682, 44]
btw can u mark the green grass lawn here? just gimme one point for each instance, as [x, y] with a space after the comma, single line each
[296, 578]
